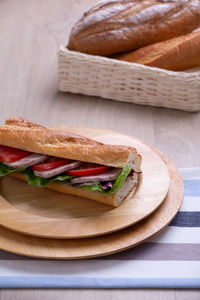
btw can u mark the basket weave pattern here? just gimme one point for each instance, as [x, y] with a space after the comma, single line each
[129, 82]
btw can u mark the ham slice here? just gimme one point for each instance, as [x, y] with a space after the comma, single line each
[28, 161]
[59, 170]
[106, 176]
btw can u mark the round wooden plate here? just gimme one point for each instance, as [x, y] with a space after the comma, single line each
[44, 213]
[102, 245]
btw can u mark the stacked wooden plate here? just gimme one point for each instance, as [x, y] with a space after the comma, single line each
[41, 223]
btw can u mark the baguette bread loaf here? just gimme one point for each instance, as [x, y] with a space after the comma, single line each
[111, 27]
[177, 54]
[23, 134]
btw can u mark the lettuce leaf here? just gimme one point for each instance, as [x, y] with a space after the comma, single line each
[94, 187]
[121, 178]
[5, 170]
[31, 178]
[116, 184]
[41, 182]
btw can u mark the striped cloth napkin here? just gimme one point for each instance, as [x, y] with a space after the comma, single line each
[170, 260]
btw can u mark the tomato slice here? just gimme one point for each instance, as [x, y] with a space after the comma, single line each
[51, 163]
[88, 170]
[9, 154]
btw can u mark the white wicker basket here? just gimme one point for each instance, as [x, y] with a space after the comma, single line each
[129, 82]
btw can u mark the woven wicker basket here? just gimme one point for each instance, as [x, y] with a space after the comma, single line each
[129, 82]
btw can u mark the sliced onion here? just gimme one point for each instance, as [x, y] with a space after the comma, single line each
[107, 185]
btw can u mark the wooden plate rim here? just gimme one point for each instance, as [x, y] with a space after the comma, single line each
[119, 241]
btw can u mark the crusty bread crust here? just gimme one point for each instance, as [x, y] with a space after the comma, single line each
[111, 27]
[177, 54]
[124, 192]
[23, 134]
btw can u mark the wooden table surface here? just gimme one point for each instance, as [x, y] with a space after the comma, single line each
[30, 35]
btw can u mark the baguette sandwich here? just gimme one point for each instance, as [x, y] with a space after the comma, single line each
[68, 163]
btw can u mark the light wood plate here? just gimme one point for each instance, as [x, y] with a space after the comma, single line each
[102, 245]
[44, 213]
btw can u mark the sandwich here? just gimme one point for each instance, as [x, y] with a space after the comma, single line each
[68, 163]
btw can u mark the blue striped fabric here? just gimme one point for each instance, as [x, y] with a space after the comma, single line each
[187, 219]
[170, 260]
[192, 188]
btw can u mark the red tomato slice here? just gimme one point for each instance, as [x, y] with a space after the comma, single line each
[51, 163]
[88, 170]
[9, 154]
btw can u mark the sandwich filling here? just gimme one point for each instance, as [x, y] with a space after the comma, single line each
[41, 169]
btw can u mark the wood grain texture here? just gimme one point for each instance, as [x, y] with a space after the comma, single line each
[40, 212]
[111, 294]
[106, 244]
[30, 34]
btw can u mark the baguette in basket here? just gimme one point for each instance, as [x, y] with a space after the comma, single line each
[67, 162]
[177, 54]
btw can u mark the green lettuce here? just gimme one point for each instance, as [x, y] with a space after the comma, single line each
[121, 178]
[31, 178]
[116, 184]
[41, 182]
[94, 187]
[5, 170]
